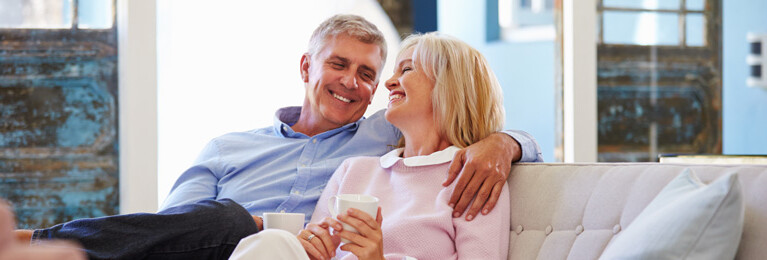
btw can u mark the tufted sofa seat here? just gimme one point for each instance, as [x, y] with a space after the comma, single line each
[573, 211]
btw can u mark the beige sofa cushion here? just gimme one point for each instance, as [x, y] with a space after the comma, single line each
[688, 219]
[572, 211]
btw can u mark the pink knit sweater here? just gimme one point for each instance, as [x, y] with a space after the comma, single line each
[417, 221]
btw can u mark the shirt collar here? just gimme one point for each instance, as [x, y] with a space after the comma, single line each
[286, 117]
[389, 159]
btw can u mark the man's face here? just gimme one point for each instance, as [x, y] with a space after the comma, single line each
[340, 81]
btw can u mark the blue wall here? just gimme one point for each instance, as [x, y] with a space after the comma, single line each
[745, 108]
[424, 16]
[525, 70]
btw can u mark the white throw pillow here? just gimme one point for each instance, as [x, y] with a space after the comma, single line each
[687, 220]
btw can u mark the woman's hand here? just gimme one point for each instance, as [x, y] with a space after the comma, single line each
[259, 222]
[317, 240]
[368, 244]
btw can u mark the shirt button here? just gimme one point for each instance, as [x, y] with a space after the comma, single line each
[297, 192]
[285, 128]
[314, 141]
[303, 165]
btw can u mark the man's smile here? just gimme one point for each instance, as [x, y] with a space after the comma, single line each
[339, 97]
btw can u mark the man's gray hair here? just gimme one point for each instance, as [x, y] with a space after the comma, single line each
[347, 24]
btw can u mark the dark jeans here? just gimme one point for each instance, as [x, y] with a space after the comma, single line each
[205, 230]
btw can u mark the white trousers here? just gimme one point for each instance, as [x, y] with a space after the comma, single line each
[270, 244]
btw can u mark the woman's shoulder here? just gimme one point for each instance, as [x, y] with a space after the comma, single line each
[362, 161]
[359, 169]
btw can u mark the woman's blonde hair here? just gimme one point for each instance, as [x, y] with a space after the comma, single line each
[467, 98]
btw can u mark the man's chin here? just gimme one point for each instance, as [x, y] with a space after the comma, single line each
[341, 116]
[348, 120]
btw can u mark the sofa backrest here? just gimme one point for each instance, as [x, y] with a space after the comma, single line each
[572, 211]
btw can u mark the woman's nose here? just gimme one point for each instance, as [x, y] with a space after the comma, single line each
[391, 83]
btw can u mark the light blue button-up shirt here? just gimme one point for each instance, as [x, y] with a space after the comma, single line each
[275, 169]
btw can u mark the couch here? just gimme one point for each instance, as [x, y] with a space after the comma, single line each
[573, 211]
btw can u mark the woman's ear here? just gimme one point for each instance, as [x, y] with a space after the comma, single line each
[305, 59]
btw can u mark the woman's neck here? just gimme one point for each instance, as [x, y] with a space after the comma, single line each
[420, 142]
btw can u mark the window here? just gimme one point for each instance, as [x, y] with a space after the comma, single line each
[659, 78]
[526, 20]
[652, 22]
[56, 14]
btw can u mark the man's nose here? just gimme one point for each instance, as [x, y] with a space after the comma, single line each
[349, 80]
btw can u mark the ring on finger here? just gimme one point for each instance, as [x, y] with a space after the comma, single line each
[310, 237]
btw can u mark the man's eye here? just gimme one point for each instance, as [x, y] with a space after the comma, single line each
[367, 76]
[337, 65]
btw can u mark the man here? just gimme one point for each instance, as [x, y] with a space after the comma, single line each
[285, 167]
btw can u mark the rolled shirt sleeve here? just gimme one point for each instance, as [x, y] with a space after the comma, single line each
[531, 152]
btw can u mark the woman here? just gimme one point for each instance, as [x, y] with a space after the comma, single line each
[443, 97]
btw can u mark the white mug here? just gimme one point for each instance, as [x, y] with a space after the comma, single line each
[342, 202]
[291, 222]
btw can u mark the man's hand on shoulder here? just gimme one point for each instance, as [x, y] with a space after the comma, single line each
[483, 168]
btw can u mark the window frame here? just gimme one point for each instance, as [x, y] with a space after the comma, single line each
[682, 13]
[512, 30]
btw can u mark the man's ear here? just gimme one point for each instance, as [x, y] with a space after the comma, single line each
[305, 59]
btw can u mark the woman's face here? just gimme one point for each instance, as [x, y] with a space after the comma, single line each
[410, 93]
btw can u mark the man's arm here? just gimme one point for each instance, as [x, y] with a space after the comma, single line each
[192, 186]
[484, 167]
[197, 183]
[530, 151]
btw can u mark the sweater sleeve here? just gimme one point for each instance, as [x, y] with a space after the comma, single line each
[321, 210]
[487, 236]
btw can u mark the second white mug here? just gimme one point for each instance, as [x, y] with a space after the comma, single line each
[291, 222]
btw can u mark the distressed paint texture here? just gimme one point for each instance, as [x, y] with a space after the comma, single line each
[653, 99]
[661, 99]
[58, 124]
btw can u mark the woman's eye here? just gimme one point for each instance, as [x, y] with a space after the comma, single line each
[406, 69]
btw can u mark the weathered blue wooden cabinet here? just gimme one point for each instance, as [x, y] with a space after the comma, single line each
[58, 123]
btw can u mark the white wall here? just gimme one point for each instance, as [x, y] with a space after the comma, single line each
[137, 83]
[226, 66]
